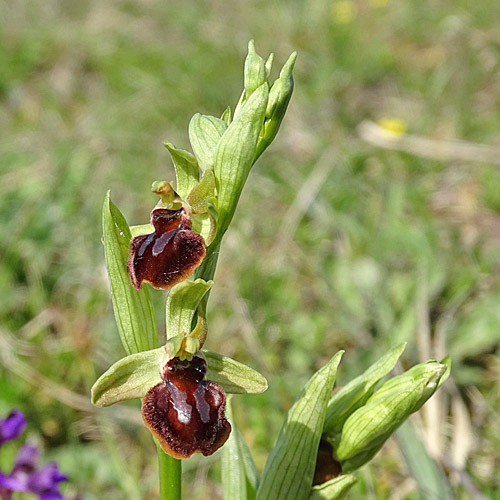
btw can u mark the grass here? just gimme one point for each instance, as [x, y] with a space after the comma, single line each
[349, 245]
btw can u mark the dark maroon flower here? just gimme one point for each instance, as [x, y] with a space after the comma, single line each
[185, 412]
[168, 255]
[12, 426]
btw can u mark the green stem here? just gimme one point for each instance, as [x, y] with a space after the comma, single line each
[170, 470]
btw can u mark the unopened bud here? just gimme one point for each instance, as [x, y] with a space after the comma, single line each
[255, 70]
[279, 97]
[367, 429]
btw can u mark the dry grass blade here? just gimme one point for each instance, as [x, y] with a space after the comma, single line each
[445, 150]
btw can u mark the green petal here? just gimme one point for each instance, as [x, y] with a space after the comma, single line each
[182, 303]
[203, 193]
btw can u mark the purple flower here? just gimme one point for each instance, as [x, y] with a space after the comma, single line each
[26, 476]
[12, 426]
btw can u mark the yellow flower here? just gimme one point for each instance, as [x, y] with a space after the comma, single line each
[396, 126]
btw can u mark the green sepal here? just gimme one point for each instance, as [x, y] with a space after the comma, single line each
[255, 73]
[132, 376]
[182, 303]
[279, 97]
[240, 478]
[335, 489]
[205, 132]
[187, 170]
[200, 197]
[234, 377]
[289, 470]
[133, 310]
[367, 429]
[235, 154]
[227, 116]
[355, 394]
[129, 378]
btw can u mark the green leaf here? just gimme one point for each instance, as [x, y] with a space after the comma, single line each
[182, 303]
[204, 134]
[239, 474]
[129, 378]
[356, 393]
[335, 489]
[430, 478]
[290, 467]
[186, 169]
[133, 310]
[367, 429]
[235, 154]
[232, 376]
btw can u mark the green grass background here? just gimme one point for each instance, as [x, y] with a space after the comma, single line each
[336, 243]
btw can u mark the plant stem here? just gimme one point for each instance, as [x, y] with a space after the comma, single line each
[170, 471]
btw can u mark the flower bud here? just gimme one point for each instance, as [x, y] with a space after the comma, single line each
[255, 70]
[367, 429]
[279, 97]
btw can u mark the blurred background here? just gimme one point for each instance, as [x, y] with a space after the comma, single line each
[364, 225]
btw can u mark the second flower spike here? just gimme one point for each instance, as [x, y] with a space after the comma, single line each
[168, 255]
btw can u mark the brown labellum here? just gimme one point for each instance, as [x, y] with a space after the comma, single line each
[167, 256]
[326, 466]
[185, 412]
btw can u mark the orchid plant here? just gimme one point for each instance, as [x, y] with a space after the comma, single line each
[183, 386]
